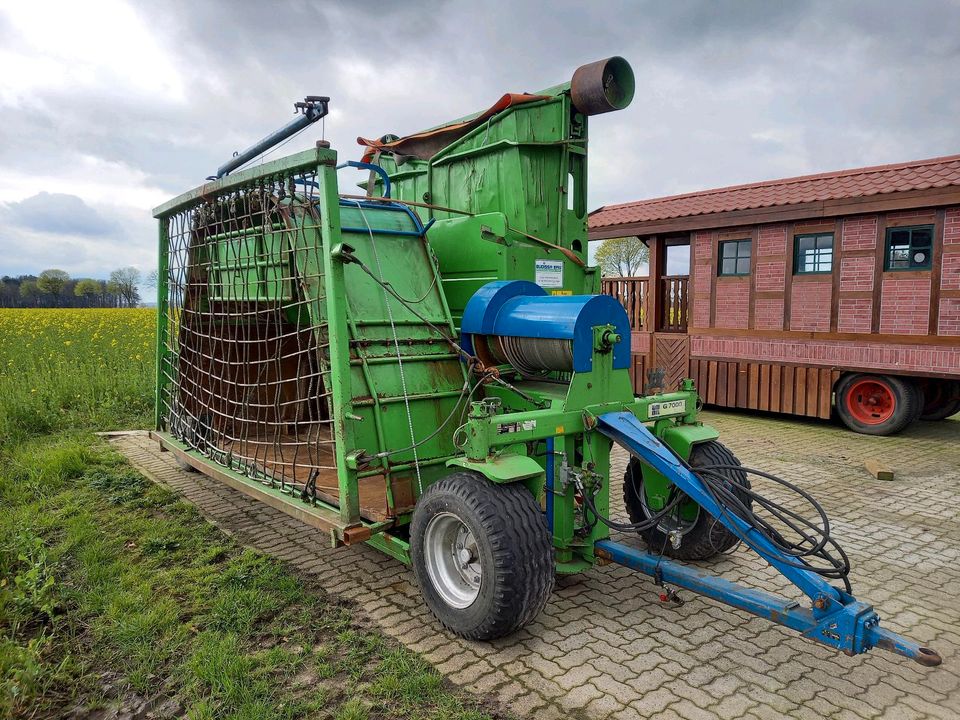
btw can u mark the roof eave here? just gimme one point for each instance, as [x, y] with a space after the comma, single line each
[881, 202]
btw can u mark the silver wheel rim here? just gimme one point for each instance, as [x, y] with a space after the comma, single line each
[452, 560]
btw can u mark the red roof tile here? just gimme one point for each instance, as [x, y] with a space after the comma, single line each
[859, 182]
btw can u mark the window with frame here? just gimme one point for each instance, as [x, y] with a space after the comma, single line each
[734, 257]
[909, 248]
[813, 253]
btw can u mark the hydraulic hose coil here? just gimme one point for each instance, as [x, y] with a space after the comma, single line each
[533, 356]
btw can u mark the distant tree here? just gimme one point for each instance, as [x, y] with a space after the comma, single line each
[622, 257]
[88, 289]
[123, 283]
[9, 291]
[151, 279]
[29, 293]
[51, 282]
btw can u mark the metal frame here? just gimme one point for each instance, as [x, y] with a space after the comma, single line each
[574, 415]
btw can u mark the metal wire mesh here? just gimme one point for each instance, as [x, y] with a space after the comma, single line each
[246, 381]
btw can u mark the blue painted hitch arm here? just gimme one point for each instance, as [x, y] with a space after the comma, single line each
[835, 619]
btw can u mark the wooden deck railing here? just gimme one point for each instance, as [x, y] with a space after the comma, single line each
[674, 303]
[632, 294]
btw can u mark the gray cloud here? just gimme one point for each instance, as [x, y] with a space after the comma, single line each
[58, 213]
[726, 92]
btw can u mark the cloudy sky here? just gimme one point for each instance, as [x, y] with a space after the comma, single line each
[108, 108]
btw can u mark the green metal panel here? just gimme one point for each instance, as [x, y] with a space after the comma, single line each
[526, 164]
[259, 257]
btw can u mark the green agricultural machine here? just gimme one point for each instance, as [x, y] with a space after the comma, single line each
[423, 364]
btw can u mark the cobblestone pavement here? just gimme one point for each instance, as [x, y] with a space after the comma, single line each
[604, 647]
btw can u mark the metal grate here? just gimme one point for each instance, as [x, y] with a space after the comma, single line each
[245, 379]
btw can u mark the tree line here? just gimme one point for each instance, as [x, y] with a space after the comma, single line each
[55, 288]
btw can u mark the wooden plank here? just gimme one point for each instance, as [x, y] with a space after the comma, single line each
[800, 391]
[787, 389]
[813, 391]
[731, 384]
[751, 287]
[321, 518]
[880, 249]
[935, 270]
[712, 381]
[721, 394]
[835, 289]
[742, 384]
[764, 403]
[826, 393]
[775, 391]
[753, 386]
[880, 470]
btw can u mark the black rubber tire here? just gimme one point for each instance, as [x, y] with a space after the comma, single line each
[941, 399]
[514, 548]
[908, 401]
[708, 537]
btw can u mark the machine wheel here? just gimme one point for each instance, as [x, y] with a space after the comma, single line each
[877, 404]
[701, 535]
[481, 554]
[941, 399]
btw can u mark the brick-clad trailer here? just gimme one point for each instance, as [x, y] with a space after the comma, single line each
[804, 295]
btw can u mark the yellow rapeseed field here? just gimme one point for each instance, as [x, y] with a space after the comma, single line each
[75, 367]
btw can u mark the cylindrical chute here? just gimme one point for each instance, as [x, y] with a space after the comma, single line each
[602, 86]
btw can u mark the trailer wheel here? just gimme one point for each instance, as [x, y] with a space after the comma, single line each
[941, 399]
[701, 535]
[877, 404]
[481, 554]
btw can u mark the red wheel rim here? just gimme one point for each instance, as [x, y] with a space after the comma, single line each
[871, 402]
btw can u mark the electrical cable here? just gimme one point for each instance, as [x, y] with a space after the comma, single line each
[676, 497]
[396, 343]
[812, 544]
[441, 426]
[471, 359]
[814, 537]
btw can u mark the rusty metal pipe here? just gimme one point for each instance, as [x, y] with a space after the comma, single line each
[602, 86]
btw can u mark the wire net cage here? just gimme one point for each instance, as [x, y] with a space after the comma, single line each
[245, 381]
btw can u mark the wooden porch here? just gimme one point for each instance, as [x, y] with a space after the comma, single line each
[658, 307]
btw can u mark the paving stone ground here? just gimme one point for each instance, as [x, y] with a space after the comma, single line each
[605, 647]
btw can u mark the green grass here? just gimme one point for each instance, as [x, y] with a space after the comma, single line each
[114, 592]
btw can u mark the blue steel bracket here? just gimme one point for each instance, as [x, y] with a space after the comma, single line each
[373, 168]
[835, 619]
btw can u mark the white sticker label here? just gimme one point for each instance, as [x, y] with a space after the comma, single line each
[548, 273]
[513, 427]
[665, 409]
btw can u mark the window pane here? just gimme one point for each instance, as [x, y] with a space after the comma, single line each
[922, 237]
[743, 266]
[729, 249]
[899, 237]
[825, 241]
[806, 243]
[729, 266]
[920, 257]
